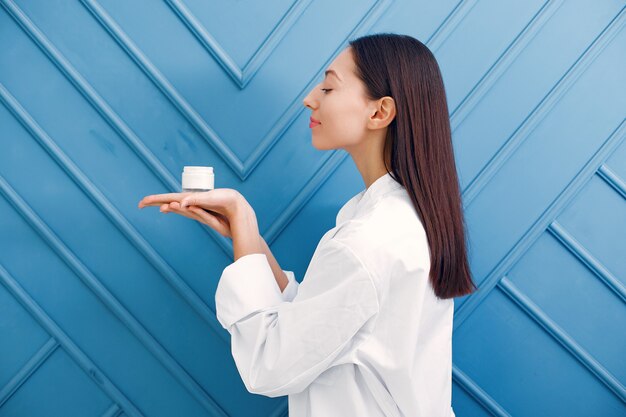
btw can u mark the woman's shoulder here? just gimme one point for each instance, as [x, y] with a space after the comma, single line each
[388, 232]
[392, 218]
[394, 214]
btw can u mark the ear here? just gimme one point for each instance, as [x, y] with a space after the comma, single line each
[383, 113]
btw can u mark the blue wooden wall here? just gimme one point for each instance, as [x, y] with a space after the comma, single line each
[108, 310]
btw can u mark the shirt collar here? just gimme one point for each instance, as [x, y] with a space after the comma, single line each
[368, 197]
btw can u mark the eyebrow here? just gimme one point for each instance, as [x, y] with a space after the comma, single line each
[332, 72]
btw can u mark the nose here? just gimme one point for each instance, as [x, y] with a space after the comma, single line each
[308, 101]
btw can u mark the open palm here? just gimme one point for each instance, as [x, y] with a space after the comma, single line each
[215, 208]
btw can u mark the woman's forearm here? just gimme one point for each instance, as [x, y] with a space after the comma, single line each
[279, 275]
[247, 240]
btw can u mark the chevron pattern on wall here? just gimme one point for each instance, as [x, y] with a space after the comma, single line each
[108, 311]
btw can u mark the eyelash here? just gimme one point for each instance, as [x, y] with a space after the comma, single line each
[326, 90]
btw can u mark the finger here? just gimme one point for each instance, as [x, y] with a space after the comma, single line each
[187, 213]
[164, 208]
[211, 220]
[196, 213]
[217, 214]
[196, 199]
[157, 199]
[223, 219]
[175, 206]
[211, 212]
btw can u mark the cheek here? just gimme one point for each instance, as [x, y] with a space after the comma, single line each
[345, 122]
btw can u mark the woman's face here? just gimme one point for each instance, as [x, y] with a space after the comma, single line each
[342, 108]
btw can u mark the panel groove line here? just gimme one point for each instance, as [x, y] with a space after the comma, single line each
[541, 110]
[591, 263]
[29, 368]
[113, 411]
[108, 209]
[241, 76]
[540, 224]
[612, 179]
[69, 347]
[449, 24]
[479, 394]
[563, 338]
[97, 288]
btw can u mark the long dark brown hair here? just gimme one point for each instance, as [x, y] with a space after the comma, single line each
[419, 148]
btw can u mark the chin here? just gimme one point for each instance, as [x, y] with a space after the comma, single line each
[321, 145]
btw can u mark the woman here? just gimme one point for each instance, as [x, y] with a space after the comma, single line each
[368, 331]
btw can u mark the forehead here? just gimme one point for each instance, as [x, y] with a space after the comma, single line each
[343, 64]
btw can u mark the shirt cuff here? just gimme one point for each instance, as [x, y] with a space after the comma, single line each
[290, 291]
[245, 286]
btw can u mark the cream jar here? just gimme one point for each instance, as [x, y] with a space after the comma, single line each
[197, 179]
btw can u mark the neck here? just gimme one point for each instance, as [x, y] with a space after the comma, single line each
[368, 158]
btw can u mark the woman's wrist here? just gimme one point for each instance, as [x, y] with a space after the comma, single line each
[245, 230]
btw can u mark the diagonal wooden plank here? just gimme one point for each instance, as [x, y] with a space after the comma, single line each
[575, 248]
[113, 411]
[612, 179]
[474, 390]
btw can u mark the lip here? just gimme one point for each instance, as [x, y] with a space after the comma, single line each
[313, 122]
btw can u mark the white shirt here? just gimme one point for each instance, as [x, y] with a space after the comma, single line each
[363, 334]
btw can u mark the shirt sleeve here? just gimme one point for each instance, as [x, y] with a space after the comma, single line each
[280, 347]
[290, 291]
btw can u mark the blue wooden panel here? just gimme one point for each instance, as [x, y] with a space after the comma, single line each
[60, 389]
[569, 293]
[107, 310]
[21, 337]
[519, 365]
[597, 220]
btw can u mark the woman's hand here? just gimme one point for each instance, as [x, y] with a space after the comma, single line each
[216, 208]
[223, 209]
